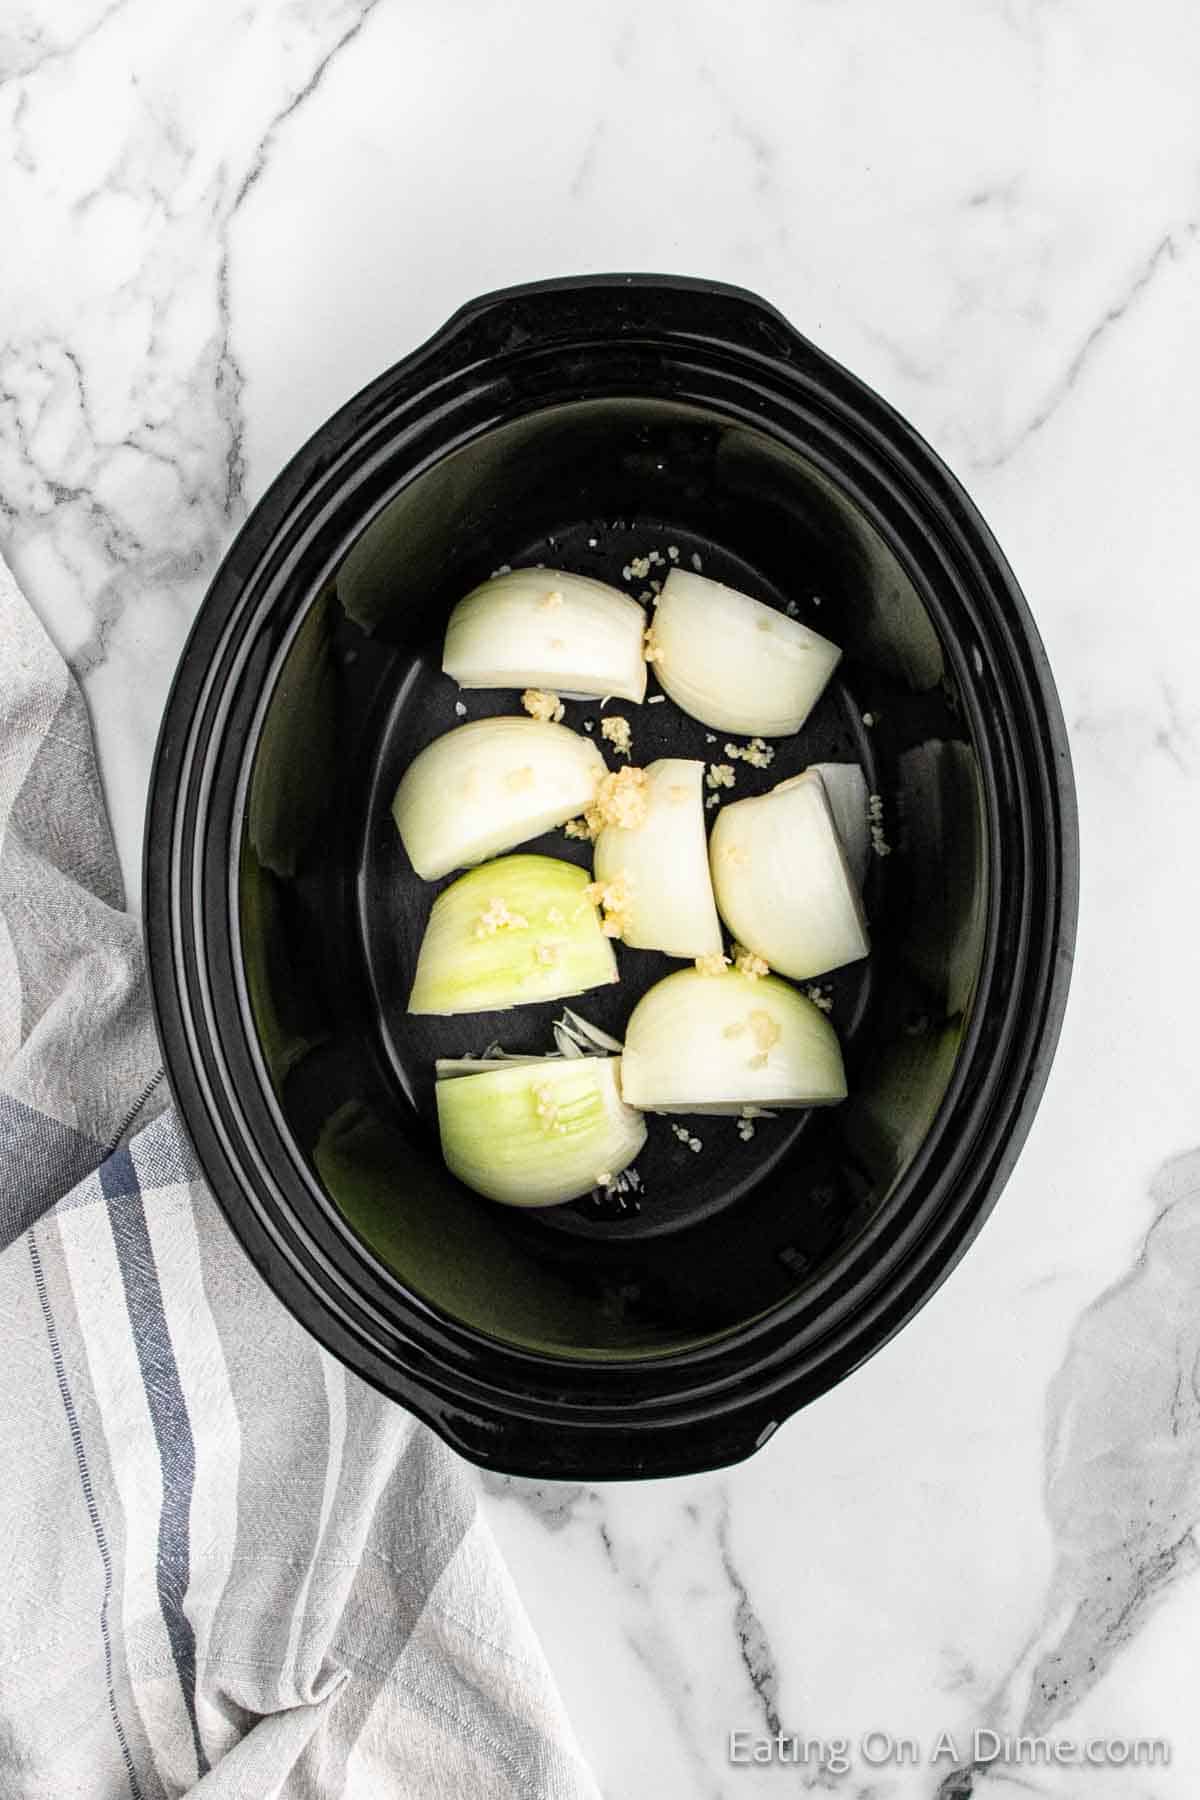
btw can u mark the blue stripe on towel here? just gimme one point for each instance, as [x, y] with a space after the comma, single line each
[168, 1413]
[85, 1481]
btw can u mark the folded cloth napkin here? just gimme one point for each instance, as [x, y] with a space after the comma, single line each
[229, 1568]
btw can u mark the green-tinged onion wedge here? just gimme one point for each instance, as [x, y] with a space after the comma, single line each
[846, 791]
[732, 662]
[512, 932]
[657, 870]
[486, 786]
[782, 881]
[717, 1043]
[543, 628]
[540, 1133]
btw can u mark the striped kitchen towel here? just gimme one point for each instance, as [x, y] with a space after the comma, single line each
[227, 1568]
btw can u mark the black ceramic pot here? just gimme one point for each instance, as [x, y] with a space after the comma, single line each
[580, 423]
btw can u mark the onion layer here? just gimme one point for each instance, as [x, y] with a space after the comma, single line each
[782, 881]
[716, 1043]
[486, 786]
[660, 866]
[543, 628]
[846, 791]
[513, 932]
[732, 662]
[538, 1133]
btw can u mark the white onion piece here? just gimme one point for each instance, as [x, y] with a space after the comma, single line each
[846, 791]
[543, 628]
[664, 862]
[486, 786]
[539, 1133]
[511, 933]
[732, 662]
[782, 881]
[717, 1043]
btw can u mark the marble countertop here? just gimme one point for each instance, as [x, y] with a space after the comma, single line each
[221, 219]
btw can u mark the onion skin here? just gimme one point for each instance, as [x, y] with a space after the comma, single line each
[538, 1133]
[487, 786]
[665, 863]
[733, 663]
[511, 933]
[783, 884]
[716, 1043]
[544, 628]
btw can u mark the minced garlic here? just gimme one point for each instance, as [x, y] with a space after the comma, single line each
[579, 828]
[819, 997]
[548, 954]
[879, 843]
[547, 1109]
[621, 799]
[747, 963]
[766, 1033]
[712, 964]
[758, 754]
[612, 897]
[498, 918]
[619, 734]
[651, 650]
[745, 1129]
[542, 705]
[550, 601]
[721, 775]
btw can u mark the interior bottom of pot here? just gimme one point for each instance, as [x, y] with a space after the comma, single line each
[332, 913]
[678, 1186]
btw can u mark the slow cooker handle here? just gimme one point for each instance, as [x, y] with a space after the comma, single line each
[569, 308]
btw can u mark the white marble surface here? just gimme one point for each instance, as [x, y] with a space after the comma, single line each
[220, 217]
